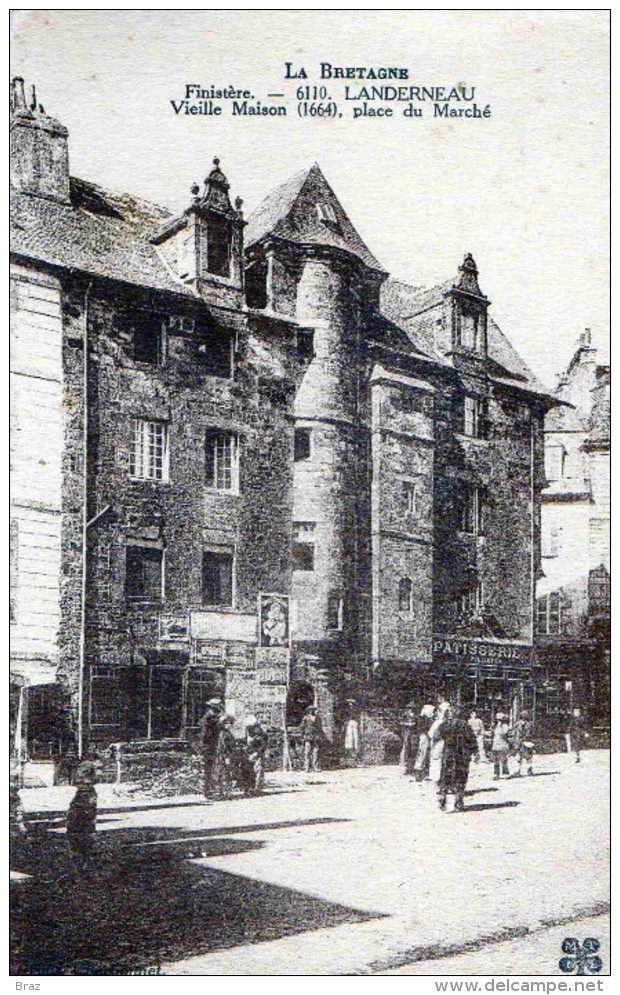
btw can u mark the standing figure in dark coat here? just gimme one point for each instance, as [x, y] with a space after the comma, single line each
[209, 732]
[459, 747]
[256, 744]
[311, 734]
[410, 739]
[226, 744]
[576, 733]
[82, 813]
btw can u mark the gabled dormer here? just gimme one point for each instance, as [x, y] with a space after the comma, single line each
[204, 246]
[469, 311]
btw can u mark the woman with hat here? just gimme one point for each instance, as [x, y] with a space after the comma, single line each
[500, 746]
[209, 732]
[223, 757]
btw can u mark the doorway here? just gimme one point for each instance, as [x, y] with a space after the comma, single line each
[166, 702]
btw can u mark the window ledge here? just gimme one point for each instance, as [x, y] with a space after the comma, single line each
[148, 480]
[464, 437]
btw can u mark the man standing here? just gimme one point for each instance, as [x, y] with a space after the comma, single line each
[576, 733]
[459, 747]
[476, 725]
[523, 742]
[500, 747]
[311, 735]
[256, 743]
[209, 732]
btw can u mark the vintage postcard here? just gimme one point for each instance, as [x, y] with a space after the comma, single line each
[310, 499]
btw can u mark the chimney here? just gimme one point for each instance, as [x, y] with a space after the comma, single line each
[39, 147]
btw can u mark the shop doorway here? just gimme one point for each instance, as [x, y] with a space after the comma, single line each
[166, 702]
[300, 696]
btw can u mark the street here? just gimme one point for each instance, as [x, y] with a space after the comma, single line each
[350, 872]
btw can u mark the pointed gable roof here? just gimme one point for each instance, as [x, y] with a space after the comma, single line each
[306, 211]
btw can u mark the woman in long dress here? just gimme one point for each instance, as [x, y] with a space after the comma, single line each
[423, 756]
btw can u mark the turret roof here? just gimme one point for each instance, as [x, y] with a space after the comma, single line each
[305, 210]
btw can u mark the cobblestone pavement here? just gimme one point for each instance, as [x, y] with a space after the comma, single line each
[346, 872]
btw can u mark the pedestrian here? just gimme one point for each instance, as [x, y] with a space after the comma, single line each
[576, 734]
[435, 735]
[82, 812]
[17, 826]
[311, 738]
[209, 732]
[410, 739]
[352, 740]
[256, 745]
[459, 746]
[221, 778]
[500, 746]
[423, 755]
[477, 727]
[523, 742]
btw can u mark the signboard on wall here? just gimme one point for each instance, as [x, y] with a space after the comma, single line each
[174, 628]
[217, 625]
[455, 648]
[274, 628]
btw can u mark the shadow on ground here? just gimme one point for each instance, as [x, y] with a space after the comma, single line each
[145, 898]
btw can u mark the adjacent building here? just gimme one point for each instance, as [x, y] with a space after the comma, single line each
[573, 595]
[247, 462]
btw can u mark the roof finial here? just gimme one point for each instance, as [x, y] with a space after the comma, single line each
[469, 275]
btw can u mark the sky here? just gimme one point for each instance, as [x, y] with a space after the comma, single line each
[525, 191]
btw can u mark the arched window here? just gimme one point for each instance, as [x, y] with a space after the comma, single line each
[405, 594]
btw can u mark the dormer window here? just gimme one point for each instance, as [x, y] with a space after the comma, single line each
[468, 331]
[326, 213]
[219, 245]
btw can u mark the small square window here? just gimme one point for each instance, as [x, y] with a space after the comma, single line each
[405, 594]
[222, 461]
[326, 213]
[554, 462]
[149, 452]
[217, 577]
[302, 444]
[219, 246]
[305, 345]
[148, 338]
[473, 510]
[303, 545]
[143, 573]
[412, 498]
[335, 612]
[214, 346]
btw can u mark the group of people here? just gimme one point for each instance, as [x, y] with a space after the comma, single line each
[228, 760]
[441, 740]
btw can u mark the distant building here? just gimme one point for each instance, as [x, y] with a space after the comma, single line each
[247, 462]
[573, 596]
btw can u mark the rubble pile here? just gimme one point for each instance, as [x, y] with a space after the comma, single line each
[186, 779]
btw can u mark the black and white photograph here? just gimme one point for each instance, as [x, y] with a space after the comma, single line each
[310, 495]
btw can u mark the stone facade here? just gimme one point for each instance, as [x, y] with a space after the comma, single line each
[279, 476]
[573, 606]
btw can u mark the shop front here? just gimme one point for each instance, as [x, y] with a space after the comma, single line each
[488, 675]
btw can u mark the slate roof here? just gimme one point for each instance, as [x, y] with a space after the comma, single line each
[290, 212]
[405, 304]
[101, 233]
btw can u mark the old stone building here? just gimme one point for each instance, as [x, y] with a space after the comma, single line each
[248, 462]
[573, 606]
